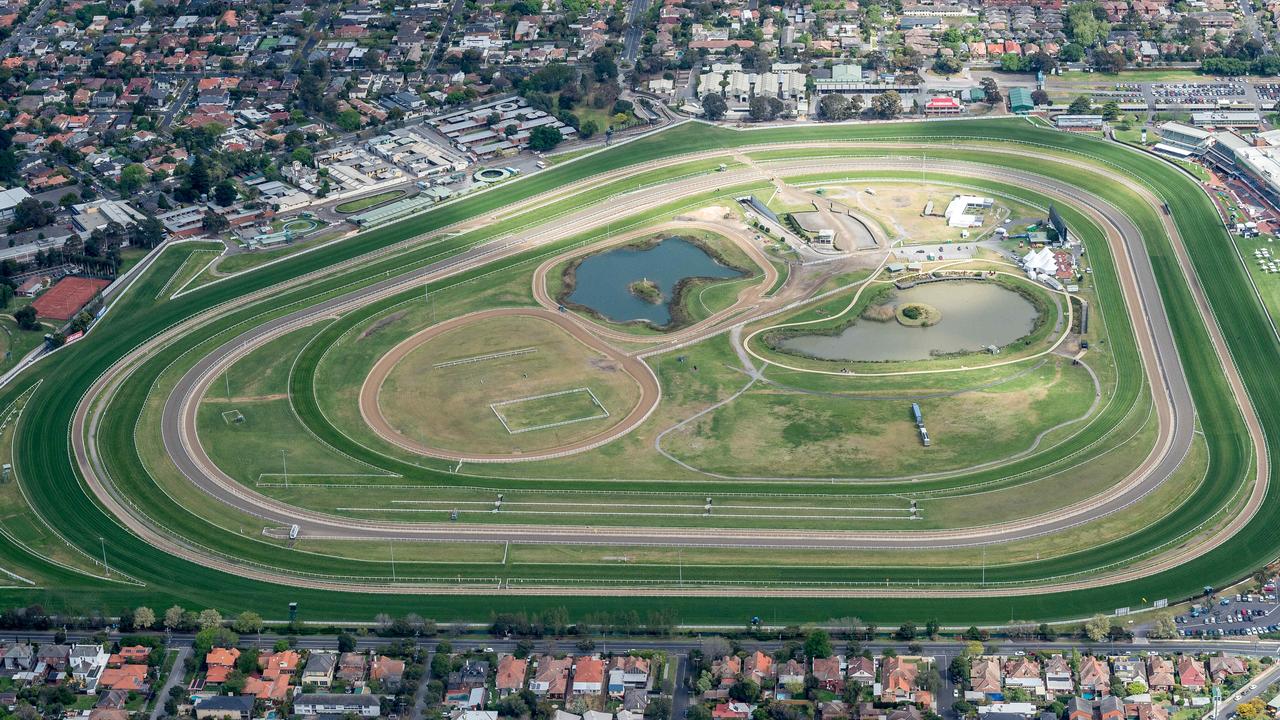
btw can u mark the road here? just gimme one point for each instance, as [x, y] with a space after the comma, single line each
[33, 20]
[1146, 309]
[442, 42]
[635, 30]
[175, 677]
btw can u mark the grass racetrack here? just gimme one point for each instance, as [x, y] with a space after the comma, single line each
[42, 457]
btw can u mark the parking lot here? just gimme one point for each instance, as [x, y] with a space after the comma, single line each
[1252, 615]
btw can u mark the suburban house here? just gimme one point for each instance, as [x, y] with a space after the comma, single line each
[635, 670]
[333, 704]
[984, 677]
[551, 677]
[1057, 676]
[760, 669]
[732, 711]
[1224, 666]
[219, 662]
[319, 670]
[726, 669]
[86, 663]
[1129, 670]
[1190, 673]
[1024, 672]
[388, 671]
[1160, 674]
[351, 667]
[899, 680]
[1095, 676]
[225, 707]
[1108, 708]
[1145, 711]
[861, 669]
[791, 672]
[829, 672]
[467, 687]
[511, 671]
[588, 676]
[18, 657]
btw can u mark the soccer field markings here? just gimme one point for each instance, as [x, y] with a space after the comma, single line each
[604, 413]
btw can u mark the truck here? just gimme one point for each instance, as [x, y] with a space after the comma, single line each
[924, 437]
[915, 412]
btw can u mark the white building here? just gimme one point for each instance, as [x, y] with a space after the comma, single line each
[958, 211]
[9, 200]
[334, 704]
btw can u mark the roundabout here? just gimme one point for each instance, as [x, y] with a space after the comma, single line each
[422, 384]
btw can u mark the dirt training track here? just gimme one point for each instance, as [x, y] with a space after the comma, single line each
[641, 373]
[1171, 395]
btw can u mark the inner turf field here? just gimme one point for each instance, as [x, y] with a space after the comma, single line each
[455, 390]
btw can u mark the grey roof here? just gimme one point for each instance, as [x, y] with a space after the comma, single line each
[337, 699]
[320, 662]
[230, 703]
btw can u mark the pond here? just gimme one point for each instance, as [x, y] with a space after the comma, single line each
[603, 281]
[974, 315]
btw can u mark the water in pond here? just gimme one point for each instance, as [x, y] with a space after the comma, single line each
[974, 315]
[602, 280]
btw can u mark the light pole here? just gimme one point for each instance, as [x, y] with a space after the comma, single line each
[284, 458]
[105, 568]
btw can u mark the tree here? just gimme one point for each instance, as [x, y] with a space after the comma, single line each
[947, 65]
[224, 193]
[1111, 110]
[346, 642]
[209, 618]
[834, 107]
[26, 317]
[746, 691]
[1082, 105]
[198, 178]
[30, 213]
[931, 628]
[214, 223]
[248, 622]
[1252, 709]
[906, 631]
[713, 106]
[818, 644]
[1097, 626]
[147, 234]
[173, 617]
[143, 618]
[759, 109]
[1084, 23]
[349, 120]
[991, 90]
[544, 137]
[886, 105]
[303, 155]
[658, 708]
[1039, 97]
[1163, 627]
[132, 177]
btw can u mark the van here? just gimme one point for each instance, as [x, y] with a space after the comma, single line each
[540, 165]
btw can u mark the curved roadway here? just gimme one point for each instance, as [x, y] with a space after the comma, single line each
[1154, 335]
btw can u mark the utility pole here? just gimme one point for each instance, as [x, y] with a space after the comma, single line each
[106, 568]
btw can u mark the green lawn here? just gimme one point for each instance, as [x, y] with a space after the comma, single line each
[364, 203]
[1253, 345]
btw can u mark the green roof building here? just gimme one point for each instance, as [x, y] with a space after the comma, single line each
[1020, 101]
